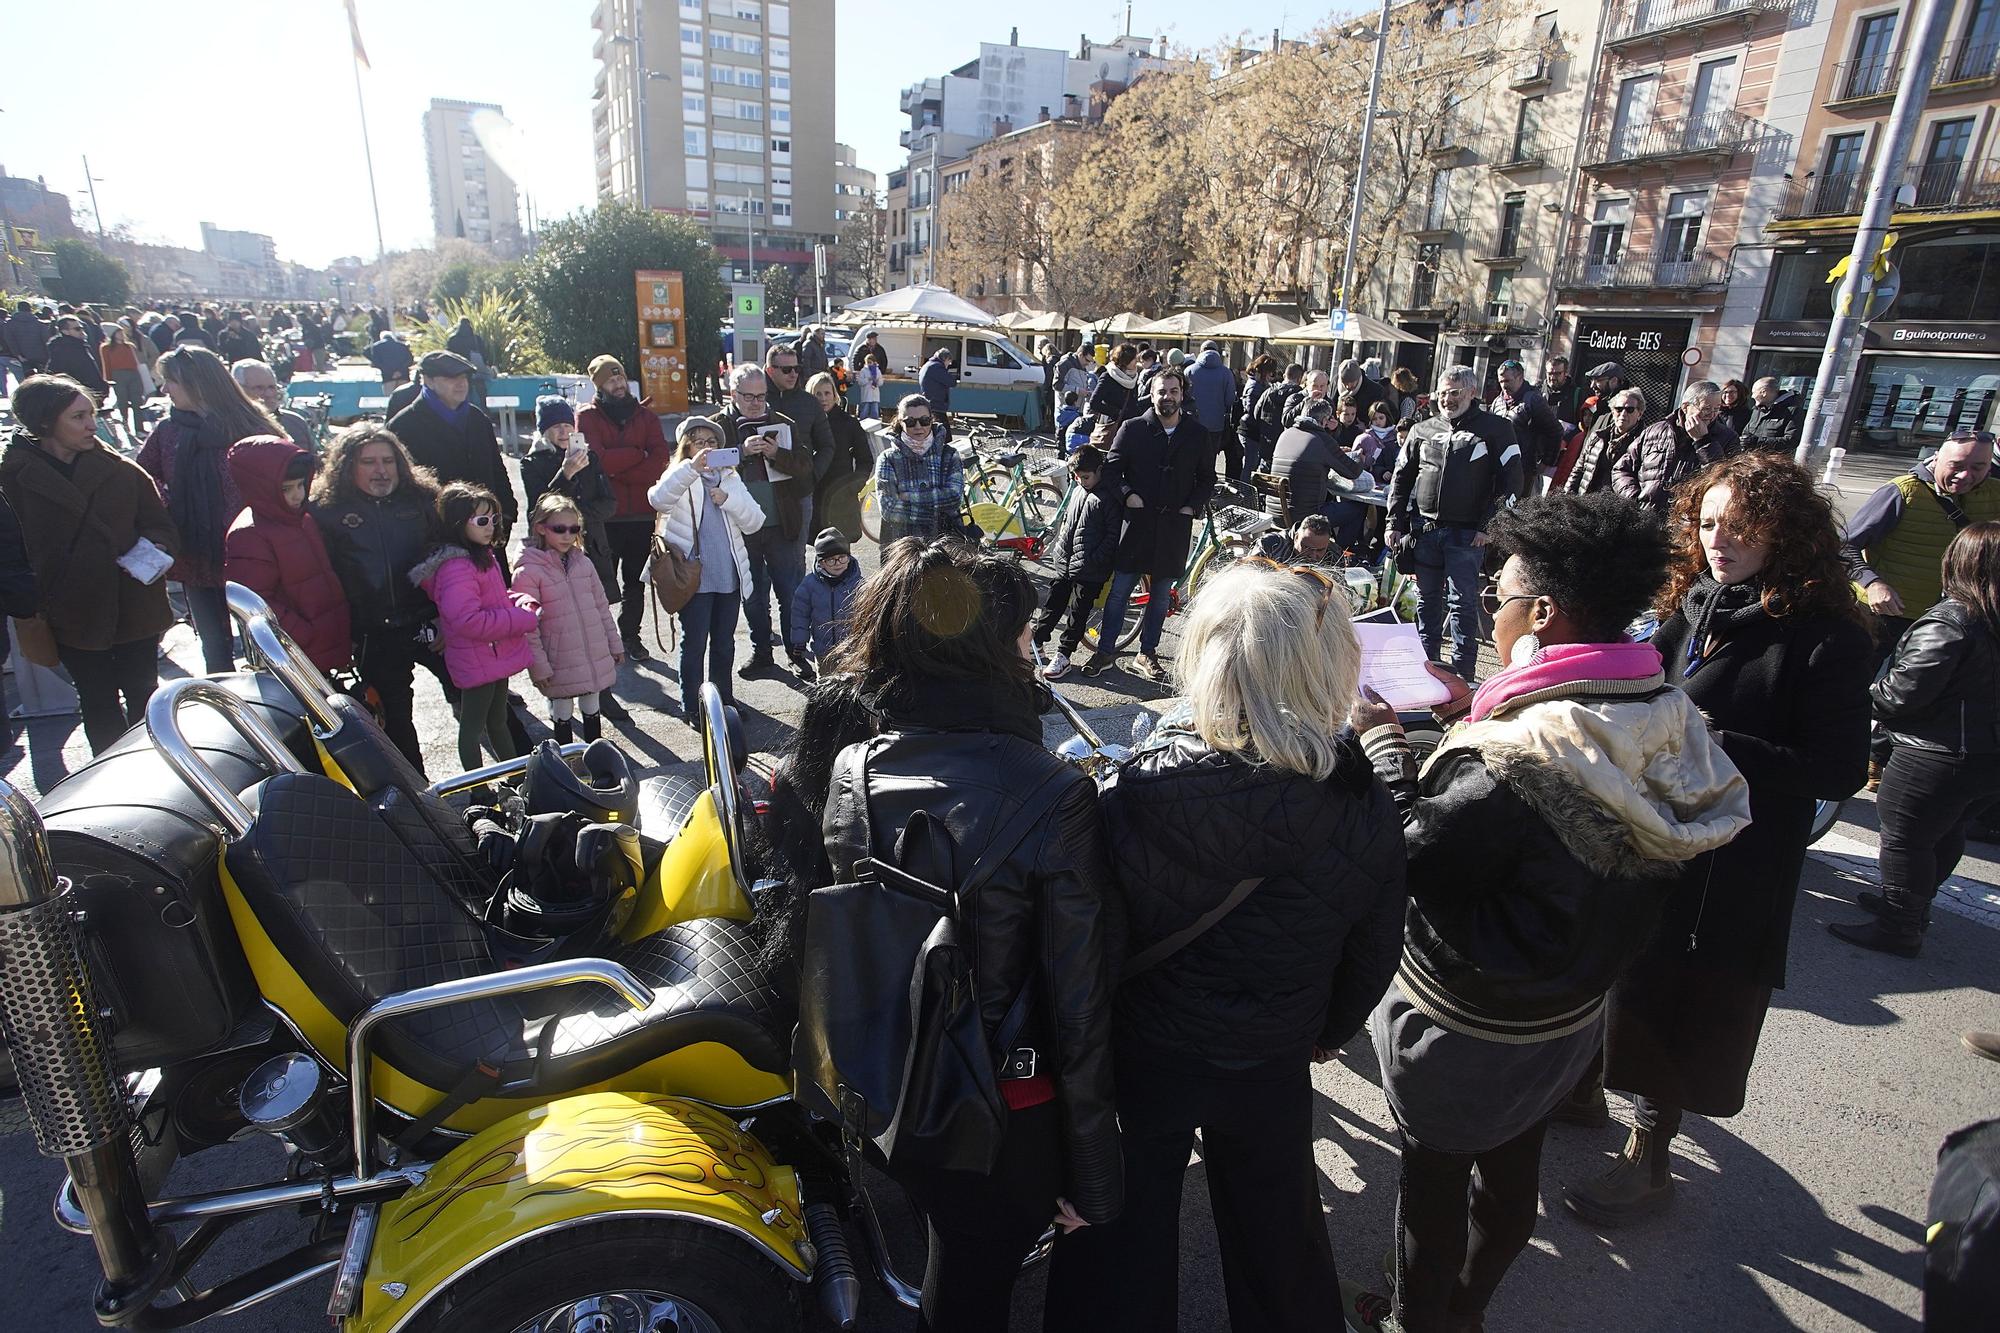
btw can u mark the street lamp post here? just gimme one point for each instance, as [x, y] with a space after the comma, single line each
[1361, 167]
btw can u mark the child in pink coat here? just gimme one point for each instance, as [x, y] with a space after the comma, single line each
[485, 628]
[576, 646]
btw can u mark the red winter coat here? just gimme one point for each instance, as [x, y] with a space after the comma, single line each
[277, 553]
[633, 455]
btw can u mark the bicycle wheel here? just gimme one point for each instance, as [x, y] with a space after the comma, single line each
[1135, 610]
[1218, 557]
[871, 512]
[1039, 505]
[989, 484]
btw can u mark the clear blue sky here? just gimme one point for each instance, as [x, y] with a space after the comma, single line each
[242, 112]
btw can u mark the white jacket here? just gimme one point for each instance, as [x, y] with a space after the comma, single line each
[675, 496]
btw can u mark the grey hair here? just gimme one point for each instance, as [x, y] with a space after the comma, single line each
[236, 368]
[1269, 666]
[1631, 391]
[743, 373]
[1700, 391]
[1762, 380]
[1462, 376]
[1319, 409]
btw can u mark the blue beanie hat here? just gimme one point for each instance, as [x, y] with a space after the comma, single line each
[553, 411]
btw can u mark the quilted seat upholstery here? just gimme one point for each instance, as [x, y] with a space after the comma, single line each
[359, 915]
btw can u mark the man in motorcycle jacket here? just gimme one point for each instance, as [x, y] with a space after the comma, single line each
[1454, 475]
[373, 507]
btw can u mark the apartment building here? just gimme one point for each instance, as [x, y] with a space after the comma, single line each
[1928, 363]
[700, 108]
[472, 198]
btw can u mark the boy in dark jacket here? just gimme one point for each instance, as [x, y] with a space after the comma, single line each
[1080, 553]
[825, 599]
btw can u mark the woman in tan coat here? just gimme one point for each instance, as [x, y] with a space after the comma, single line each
[87, 516]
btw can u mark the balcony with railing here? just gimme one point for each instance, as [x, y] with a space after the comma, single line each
[1630, 272]
[1962, 66]
[1517, 150]
[1933, 187]
[1717, 134]
[1655, 20]
[1967, 64]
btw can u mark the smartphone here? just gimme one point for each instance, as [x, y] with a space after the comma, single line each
[722, 458]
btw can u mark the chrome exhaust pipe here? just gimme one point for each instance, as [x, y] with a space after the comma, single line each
[50, 1018]
[833, 1270]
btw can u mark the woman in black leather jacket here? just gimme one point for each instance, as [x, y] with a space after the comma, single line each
[1254, 801]
[937, 653]
[1939, 700]
[1542, 836]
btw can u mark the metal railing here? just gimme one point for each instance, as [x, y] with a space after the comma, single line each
[1514, 150]
[1968, 62]
[1648, 18]
[1722, 131]
[1872, 76]
[1934, 187]
[1960, 63]
[1640, 271]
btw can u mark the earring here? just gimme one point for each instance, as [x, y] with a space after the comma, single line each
[1524, 649]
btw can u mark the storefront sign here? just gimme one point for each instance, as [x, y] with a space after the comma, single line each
[1883, 335]
[1649, 350]
[1789, 333]
[663, 369]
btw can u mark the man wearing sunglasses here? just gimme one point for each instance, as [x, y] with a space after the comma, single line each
[780, 481]
[786, 376]
[1458, 469]
[1670, 451]
[1609, 439]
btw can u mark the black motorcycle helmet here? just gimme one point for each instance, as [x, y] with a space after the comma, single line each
[604, 792]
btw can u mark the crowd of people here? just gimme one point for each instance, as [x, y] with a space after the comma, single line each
[1588, 887]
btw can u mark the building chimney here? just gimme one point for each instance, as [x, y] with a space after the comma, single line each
[1274, 41]
[1072, 106]
[1083, 46]
[1043, 118]
[1002, 127]
[1014, 37]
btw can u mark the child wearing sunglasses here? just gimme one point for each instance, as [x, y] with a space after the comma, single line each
[483, 626]
[576, 647]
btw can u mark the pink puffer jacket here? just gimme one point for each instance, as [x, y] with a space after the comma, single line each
[576, 637]
[485, 631]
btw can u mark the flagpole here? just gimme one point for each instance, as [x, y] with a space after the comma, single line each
[368, 155]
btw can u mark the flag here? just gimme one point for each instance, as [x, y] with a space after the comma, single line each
[354, 31]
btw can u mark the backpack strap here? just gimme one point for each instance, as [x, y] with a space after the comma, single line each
[1180, 939]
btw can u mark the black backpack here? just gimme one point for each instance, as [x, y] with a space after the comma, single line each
[1962, 1240]
[890, 1045]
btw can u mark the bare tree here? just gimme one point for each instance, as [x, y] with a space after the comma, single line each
[860, 253]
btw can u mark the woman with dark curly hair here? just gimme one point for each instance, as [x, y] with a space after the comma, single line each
[1760, 627]
[1542, 836]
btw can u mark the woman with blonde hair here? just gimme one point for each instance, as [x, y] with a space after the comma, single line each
[1261, 931]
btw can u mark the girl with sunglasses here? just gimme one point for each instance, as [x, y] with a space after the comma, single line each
[484, 627]
[576, 646]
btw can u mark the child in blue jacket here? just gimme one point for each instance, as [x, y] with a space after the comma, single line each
[824, 599]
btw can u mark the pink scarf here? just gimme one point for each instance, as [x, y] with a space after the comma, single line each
[1565, 664]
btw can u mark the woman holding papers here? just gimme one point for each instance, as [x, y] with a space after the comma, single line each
[1260, 864]
[1759, 626]
[1542, 838]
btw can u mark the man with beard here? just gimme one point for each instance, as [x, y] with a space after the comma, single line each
[631, 448]
[1607, 444]
[1161, 469]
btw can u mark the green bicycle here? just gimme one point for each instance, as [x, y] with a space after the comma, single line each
[1231, 529]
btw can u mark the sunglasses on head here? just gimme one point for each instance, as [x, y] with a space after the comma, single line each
[567, 529]
[483, 520]
[1327, 584]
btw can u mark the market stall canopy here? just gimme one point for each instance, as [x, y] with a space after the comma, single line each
[1180, 324]
[1050, 321]
[1120, 324]
[1014, 319]
[1363, 329]
[1262, 326]
[921, 301]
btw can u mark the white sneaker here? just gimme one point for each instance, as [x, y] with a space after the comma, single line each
[1057, 668]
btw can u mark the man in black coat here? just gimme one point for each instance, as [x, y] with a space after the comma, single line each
[1777, 418]
[785, 372]
[1161, 468]
[1536, 428]
[453, 436]
[69, 354]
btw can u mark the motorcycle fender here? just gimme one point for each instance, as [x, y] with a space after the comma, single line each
[570, 1163]
[692, 879]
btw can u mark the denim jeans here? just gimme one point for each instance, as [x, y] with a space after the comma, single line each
[776, 565]
[1113, 619]
[708, 626]
[1448, 564]
[209, 609]
[1350, 522]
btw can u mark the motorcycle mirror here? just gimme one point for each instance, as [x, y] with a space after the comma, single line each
[1143, 723]
[1075, 749]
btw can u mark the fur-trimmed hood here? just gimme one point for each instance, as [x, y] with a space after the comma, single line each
[427, 568]
[1632, 786]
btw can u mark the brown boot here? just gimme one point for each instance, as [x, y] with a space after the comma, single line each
[1986, 1045]
[1637, 1184]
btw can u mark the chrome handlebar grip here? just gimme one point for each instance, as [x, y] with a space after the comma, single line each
[490, 986]
[164, 727]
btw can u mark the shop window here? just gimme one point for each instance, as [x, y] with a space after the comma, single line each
[1948, 278]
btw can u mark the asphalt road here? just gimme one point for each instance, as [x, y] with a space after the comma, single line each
[1806, 1211]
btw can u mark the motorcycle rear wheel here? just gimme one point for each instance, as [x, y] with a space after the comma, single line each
[652, 1275]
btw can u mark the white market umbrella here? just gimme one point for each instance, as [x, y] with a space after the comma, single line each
[1120, 324]
[1180, 324]
[1260, 327]
[1364, 329]
[925, 302]
[1015, 319]
[1050, 321]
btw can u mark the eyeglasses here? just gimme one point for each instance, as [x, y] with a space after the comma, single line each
[1626, 407]
[750, 397]
[923, 423]
[1327, 585]
[564, 528]
[1491, 600]
[483, 520]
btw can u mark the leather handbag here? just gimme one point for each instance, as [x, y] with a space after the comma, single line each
[676, 577]
[891, 1045]
[36, 640]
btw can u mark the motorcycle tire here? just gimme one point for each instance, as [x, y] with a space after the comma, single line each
[1825, 815]
[718, 1282]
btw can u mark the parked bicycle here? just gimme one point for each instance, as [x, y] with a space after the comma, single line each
[1233, 525]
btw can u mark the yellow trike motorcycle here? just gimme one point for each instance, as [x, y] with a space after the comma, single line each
[526, 1068]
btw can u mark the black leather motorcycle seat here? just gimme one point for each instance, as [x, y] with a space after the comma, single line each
[359, 915]
[665, 802]
[708, 985]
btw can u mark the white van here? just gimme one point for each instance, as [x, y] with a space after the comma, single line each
[985, 357]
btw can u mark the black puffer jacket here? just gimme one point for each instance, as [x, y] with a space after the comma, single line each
[1299, 962]
[970, 757]
[1942, 689]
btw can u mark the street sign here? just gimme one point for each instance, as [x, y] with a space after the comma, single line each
[746, 302]
[1338, 324]
[663, 364]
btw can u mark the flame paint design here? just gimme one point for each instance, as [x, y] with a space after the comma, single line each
[631, 1148]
